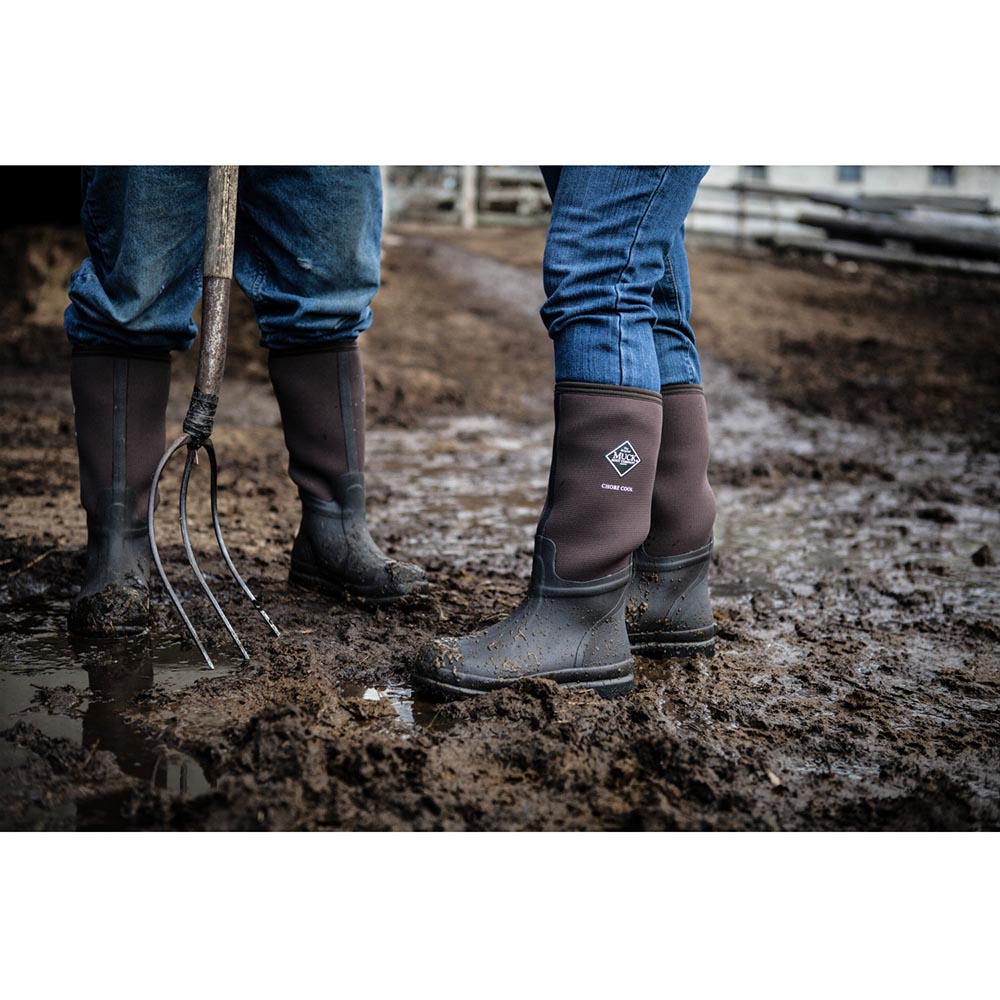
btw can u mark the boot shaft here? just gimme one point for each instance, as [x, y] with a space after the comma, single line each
[321, 395]
[119, 408]
[683, 507]
[601, 480]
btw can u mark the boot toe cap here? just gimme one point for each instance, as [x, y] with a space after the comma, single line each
[405, 578]
[470, 665]
[442, 669]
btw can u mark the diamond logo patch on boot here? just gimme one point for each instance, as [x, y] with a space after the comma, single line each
[624, 458]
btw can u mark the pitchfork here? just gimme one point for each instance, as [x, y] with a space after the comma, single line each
[220, 238]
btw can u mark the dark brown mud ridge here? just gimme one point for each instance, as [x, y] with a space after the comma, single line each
[857, 684]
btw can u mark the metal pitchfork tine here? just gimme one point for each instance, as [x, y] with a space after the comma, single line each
[220, 237]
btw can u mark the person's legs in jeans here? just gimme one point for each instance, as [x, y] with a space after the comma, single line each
[607, 273]
[308, 241]
[637, 238]
[673, 338]
[604, 257]
[145, 230]
[130, 305]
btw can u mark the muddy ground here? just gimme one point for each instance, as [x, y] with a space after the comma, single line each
[855, 426]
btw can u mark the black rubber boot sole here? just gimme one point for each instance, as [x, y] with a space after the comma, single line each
[345, 592]
[654, 648]
[606, 687]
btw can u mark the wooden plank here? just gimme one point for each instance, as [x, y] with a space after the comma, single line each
[879, 255]
[872, 203]
[952, 242]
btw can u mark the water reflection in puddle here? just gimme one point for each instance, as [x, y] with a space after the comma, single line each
[88, 691]
[80, 690]
[411, 711]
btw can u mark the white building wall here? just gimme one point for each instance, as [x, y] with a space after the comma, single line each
[970, 181]
[720, 211]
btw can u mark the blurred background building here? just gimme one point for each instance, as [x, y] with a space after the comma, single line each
[939, 216]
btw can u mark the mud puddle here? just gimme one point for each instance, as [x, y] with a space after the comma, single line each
[408, 711]
[805, 498]
[436, 482]
[87, 692]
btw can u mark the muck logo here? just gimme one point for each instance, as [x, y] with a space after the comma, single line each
[624, 458]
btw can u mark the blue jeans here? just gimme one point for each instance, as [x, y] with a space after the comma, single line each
[618, 305]
[307, 254]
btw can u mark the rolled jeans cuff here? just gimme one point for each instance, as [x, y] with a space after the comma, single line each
[595, 352]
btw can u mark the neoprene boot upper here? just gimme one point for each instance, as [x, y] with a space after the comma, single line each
[119, 403]
[571, 625]
[321, 395]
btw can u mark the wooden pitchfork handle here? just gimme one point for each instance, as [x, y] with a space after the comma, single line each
[217, 276]
[220, 233]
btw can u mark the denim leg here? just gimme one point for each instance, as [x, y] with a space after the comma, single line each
[145, 229]
[606, 252]
[673, 338]
[307, 251]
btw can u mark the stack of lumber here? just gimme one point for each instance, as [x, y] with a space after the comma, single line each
[933, 231]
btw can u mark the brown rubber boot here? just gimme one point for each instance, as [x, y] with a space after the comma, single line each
[571, 625]
[321, 394]
[119, 406]
[669, 613]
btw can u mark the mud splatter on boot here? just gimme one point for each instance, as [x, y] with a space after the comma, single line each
[668, 611]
